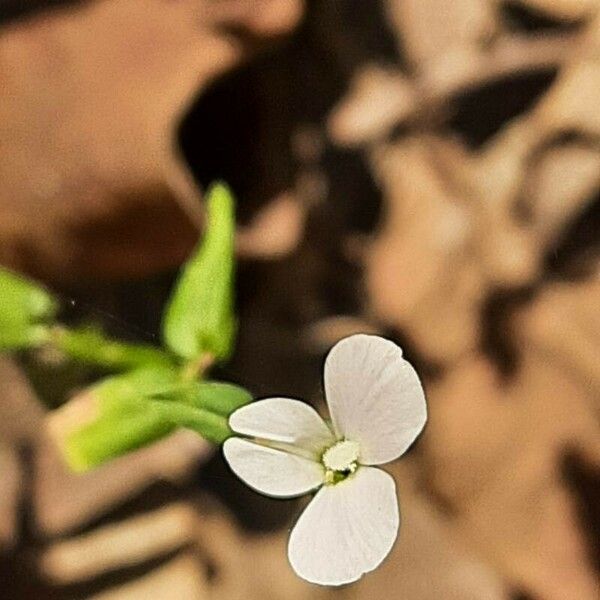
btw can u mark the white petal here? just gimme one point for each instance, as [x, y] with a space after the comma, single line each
[374, 396]
[272, 472]
[283, 420]
[347, 529]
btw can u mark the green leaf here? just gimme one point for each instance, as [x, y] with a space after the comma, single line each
[123, 421]
[218, 397]
[123, 392]
[25, 312]
[109, 437]
[140, 407]
[200, 317]
[203, 407]
[91, 346]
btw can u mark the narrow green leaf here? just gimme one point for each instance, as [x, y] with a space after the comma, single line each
[204, 407]
[218, 397]
[209, 425]
[199, 318]
[91, 346]
[25, 312]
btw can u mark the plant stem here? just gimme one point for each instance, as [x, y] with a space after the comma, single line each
[91, 346]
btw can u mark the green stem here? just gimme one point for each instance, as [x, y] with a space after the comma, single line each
[195, 369]
[91, 346]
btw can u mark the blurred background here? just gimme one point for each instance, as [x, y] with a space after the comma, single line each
[425, 169]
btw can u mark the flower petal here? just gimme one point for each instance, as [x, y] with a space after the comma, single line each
[272, 472]
[283, 420]
[347, 529]
[375, 397]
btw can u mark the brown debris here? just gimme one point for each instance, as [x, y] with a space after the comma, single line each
[563, 326]
[568, 10]
[98, 153]
[179, 578]
[100, 490]
[423, 249]
[441, 29]
[275, 231]
[117, 546]
[10, 494]
[461, 222]
[480, 189]
[378, 100]
[498, 467]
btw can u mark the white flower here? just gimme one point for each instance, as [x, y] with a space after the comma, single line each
[377, 410]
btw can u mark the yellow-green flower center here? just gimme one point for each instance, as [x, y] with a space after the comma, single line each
[340, 460]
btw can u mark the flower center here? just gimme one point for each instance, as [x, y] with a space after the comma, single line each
[340, 460]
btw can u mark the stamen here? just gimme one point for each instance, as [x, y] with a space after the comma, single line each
[342, 457]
